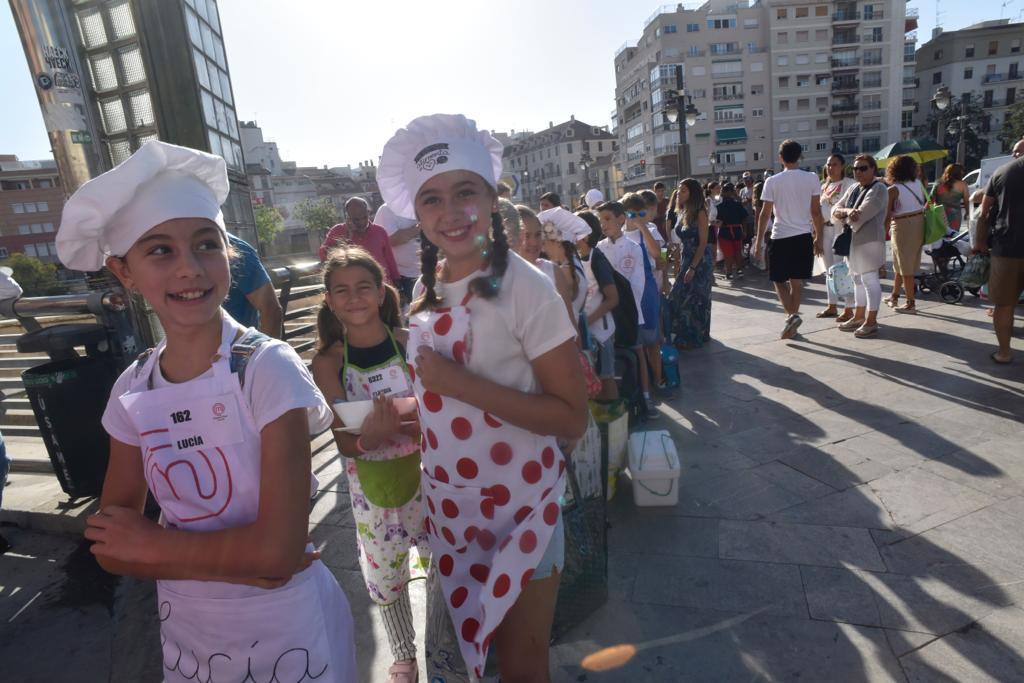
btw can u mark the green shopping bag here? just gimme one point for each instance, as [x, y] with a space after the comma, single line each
[935, 224]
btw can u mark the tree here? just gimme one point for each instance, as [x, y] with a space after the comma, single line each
[268, 224]
[34, 276]
[317, 215]
[943, 126]
[1013, 125]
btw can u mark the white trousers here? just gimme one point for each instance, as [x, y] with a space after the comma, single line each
[867, 290]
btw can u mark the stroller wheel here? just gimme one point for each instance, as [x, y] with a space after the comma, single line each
[952, 292]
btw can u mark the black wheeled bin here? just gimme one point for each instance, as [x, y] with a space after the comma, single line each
[68, 396]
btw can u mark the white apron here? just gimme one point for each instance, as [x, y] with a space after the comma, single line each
[604, 328]
[201, 456]
[492, 493]
[387, 503]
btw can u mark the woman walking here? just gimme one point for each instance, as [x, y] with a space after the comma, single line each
[863, 208]
[691, 295]
[906, 206]
[832, 190]
[951, 192]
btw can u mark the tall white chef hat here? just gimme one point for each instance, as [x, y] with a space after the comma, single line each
[565, 225]
[428, 146]
[158, 183]
[594, 197]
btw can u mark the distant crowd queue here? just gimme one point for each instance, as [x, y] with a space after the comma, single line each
[459, 339]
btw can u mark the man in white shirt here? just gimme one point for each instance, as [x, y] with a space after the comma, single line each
[404, 235]
[793, 196]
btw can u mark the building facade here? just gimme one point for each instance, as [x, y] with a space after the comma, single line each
[985, 60]
[831, 75]
[157, 69]
[565, 159]
[31, 201]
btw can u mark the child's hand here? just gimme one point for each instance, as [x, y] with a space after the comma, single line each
[270, 582]
[123, 534]
[437, 373]
[381, 424]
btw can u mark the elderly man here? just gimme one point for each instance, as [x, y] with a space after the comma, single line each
[360, 231]
[1001, 234]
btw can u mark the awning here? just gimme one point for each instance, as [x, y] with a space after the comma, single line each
[730, 134]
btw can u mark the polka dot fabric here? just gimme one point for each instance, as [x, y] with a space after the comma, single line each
[490, 490]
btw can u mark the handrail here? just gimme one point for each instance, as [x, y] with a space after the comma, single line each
[287, 279]
[95, 303]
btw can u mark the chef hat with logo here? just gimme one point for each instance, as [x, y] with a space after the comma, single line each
[429, 146]
[594, 197]
[160, 182]
[561, 224]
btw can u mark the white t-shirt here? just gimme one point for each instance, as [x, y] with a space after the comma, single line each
[526, 320]
[831, 193]
[625, 256]
[909, 198]
[276, 381]
[791, 193]
[407, 255]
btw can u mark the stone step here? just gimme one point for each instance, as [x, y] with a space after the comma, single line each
[10, 385]
[22, 361]
[18, 417]
[9, 430]
[15, 402]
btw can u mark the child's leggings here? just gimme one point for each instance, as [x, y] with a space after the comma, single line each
[398, 625]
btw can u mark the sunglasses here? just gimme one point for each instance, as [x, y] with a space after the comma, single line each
[635, 214]
[861, 169]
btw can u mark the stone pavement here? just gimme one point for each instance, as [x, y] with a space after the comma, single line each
[850, 510]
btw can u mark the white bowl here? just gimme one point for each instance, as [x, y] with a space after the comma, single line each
[352, 413]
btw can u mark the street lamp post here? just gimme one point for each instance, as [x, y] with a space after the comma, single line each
[713, 158]
[526, 186]
[585, 163]
[681, 109]
[942, 99]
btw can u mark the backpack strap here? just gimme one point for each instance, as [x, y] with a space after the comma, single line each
[242, 350]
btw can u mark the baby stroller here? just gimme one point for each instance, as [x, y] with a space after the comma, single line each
[947, 265]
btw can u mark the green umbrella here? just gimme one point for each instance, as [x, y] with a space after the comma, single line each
[922, 150]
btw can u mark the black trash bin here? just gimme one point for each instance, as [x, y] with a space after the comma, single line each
[68, 396]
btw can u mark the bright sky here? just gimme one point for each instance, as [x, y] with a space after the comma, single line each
[331, 81]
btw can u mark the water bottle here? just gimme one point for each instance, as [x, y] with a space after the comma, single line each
[670, 365]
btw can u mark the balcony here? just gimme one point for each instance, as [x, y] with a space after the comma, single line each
[845, 107]
[871, 105]
[871, 127]
[754, 50]
[845, 131]
[736, 118]
[872, 61]
[909, 101]
[910, 80]
[845, 85]
[909, 57]
[912, 12]
[872, 38]
[848, 39]
[722, 52]
[846, 63]
[997, 78]
[846, 15]
[695, 52]
[876, 15]
[872, 84]
[849, 150]
[720, 96]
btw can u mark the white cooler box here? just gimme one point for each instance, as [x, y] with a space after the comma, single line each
[653, 468]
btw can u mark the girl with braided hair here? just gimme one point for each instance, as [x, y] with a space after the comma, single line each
[497, 377]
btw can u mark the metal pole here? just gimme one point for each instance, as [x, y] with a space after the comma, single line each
[961, 145]
[683, 165]
[46, 35]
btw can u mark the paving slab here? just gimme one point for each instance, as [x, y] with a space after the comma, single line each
[995, 467]
[857, 506]
[824, 546]
[989, 650]
[918, 500]
[679, 536]
[726, 585]
[836, 465]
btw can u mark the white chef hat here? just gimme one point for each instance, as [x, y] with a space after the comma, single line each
[594, 197]
[568, 226]
[428, 146]
[158, 183]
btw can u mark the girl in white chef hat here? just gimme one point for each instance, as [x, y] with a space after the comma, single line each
[215, 422]
[497, 378]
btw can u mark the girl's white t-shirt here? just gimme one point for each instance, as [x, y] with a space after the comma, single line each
[276, 381]
[523, 322]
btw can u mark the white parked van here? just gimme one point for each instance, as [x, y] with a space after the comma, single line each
[978, 178]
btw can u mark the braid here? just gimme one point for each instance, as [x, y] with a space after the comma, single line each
[487, 287]
[428, 275]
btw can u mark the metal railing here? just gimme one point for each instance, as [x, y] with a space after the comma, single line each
[845, 106]
[27, 309]
[845, 63]
[718, 97]
[299, 281]
[851, 39]
[845, 130]
[840, 85]
[846, 15]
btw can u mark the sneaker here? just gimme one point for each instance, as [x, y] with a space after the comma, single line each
[739, 273]
[650, 413]
[792, 323]
[728, 276]
[404, 672]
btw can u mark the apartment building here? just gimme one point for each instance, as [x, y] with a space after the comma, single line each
[838, 76]
[568, 158]
[984, 60]
[721, 47]
[833, 75]
[31, 201]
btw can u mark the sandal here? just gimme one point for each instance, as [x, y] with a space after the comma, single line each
[851, 324]
[999, 361]
[865, 331]
[844, 318]
[892, 301]
[404, 672]
[827, 313]
[907, 308]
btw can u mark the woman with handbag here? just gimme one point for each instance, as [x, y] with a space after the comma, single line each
[832, 190]
[906, 206]
[863, 208]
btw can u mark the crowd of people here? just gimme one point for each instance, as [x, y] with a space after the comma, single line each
[472, 331]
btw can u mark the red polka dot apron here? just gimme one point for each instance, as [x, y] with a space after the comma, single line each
[491, 489]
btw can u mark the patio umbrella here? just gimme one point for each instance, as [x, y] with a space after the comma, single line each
[922, 150]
